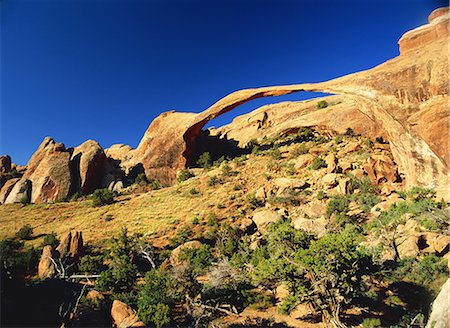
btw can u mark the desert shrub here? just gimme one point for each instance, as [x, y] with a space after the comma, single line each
[337, 264]
[211, 220]
[92, 264]
[337, 204]
[349, 132]
[371, 323]
[102, 197]
[317, 163]
[274, 153]
[24, 232]
[51, 239]
[298, 150]
[220, 160]
[227, 241]
[184, 175]
[227, 171]
[338, 140]
[288, 304]
[194, 191]
[205, 160]
[141, 179]
[120, 276]
[154, 298]
[74, 197]
[195, 220]
[290, 168]
[200, 259]
[253, 201]
[14, 259]
[425, 272]
[154, 184]
[322, 104]
[183, 235]
[321, 195]
[213, 180]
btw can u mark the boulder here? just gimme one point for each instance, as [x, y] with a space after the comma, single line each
[46, 268]
[118, 186]
[20, 192]
[175, 255]
[247, 225]
[440, 310]
[330, 180]
[408, 246]
[49, 174]
[124, 316]
[5, 164]
[94, 295]
[64, 246]
[381, 168]
[263, 218]
[6, 189]
[119, 152]
[88, 163]
[331, 163]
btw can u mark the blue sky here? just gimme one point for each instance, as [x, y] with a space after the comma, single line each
[104, 69]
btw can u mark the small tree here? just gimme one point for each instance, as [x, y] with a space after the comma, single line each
[334, 265]
[25, 232]
[205, 160]
[102, 197]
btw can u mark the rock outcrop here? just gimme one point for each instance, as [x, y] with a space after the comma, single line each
[440, 311]
[392, 99]
[5, 164]
[6, 189]
[88, 163]
[48, 174]
[76, 245]
[175, 255]
[20, 192]
[46, 267]
[64, 246]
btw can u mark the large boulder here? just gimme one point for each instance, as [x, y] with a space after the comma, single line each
[381, 168]
[88, 163]
[20, 192]
[440, 311]
[175, 255]
[6, 189]
[76, 245]
[64, 246]
[48, 174]
[5, 164]
[263, 218]
[124, 316]
[46, 267]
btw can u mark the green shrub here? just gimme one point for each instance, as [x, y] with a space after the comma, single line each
[338, 140]
[205, 160]
[211, 220]
[213, 180]
[322, 104]
[371, 323]
[183, 235]
[254, 202]
[154, 298]
[298, 150]
[102, 197]
[317, 163]
[184, 175]
[194, 191]
[74, 197]
[200, 259]
[338, 204]
[141, 179]
[51, 239]
[274, 153]
[154, 184]
[227, 171]
[321, 195]
[25, 232]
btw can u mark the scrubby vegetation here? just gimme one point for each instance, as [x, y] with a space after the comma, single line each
[331, 246]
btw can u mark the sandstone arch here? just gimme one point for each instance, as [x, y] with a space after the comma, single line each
[420, 152]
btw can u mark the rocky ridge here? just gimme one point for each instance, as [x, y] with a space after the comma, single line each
[404, 100]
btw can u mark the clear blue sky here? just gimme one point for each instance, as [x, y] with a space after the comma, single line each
[103, 69]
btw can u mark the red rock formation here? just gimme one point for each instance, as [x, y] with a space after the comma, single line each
[6, 189]
[76, 245]
[124, 316]
[5, 164]
[437, 28]
[48, 171]
[88, 163]
[64, 247]
[393, 97]
[46, 268]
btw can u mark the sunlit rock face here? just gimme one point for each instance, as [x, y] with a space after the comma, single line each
[404, 99]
